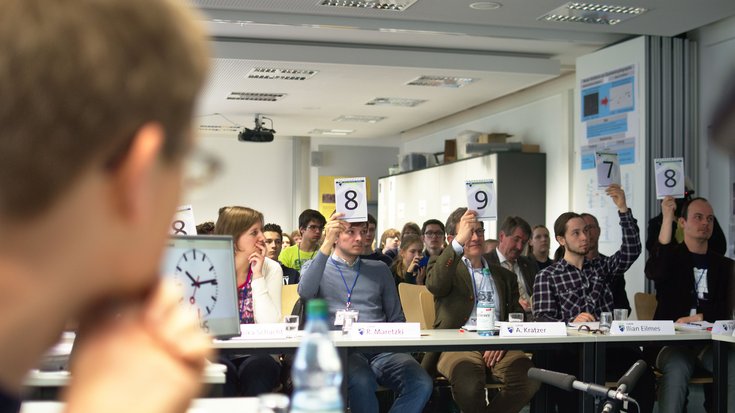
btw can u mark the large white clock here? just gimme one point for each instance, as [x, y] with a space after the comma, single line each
[196, 274]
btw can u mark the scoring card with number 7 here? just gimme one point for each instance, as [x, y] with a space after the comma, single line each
[608, 169]
[669, 177]
[481, 198]
[351, 198]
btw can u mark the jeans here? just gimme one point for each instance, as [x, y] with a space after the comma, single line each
[677, 363]
[398, 371]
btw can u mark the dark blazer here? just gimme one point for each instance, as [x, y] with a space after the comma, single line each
[670, 266]
[454, 295]
[528, 266]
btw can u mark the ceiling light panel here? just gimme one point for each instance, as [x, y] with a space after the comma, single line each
[441, 81]
[401, 102]
[391, 5]
[331, 132]
[360, 118]
[256, 97]
[589, 13]
[272, 73]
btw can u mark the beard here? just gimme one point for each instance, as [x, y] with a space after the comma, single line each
[578, 251]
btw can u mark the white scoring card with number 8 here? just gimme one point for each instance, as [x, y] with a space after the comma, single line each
[481, 198]
[351, 198]
[608, 169]
[669, 177]
[183, 222]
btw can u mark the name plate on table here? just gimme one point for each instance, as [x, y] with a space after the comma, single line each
[726, 327]
[532, 329]
[262, 331]
[385, 330]
[634, 328]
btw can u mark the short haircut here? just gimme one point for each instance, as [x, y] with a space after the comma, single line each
[410, 227]
[273, 228]
[594, 218]
[235, 220]
[311, 215]
[560, 225]
[79, 78]
[205, 228]
[371, 220]
[453, 220]
[685, 208]
[511, 223]
[389, 233]
[432, 222]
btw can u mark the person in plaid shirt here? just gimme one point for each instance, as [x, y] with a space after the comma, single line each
[575, 289]
[578, 290]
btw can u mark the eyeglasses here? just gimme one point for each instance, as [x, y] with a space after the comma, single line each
[315, 228]
[586, 329]
[480, 232]
[432, 234]
[200, 168]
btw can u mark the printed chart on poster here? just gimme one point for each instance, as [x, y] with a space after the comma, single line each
[609, 115]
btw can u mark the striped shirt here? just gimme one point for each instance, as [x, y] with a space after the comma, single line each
[562, 291]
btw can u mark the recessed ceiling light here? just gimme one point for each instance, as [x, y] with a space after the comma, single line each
[486, 5]
[258, 97]
[402, 102]
[441, 81]
[359, 118]
[391, 5]
[331, 132]
[591, 13]
[274, 73]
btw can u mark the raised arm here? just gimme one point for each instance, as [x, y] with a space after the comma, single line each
[657, 267]
[312, 271]
[631, 247]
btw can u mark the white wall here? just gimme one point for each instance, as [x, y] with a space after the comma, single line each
[584, 186]
[716, 64]
[540, 115]
[256, 175]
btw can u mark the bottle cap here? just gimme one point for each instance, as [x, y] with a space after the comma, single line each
[317, 308]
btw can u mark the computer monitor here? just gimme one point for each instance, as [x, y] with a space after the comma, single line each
[204, 267]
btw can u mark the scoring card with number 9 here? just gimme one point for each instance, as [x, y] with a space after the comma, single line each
[669, 177]
[351, 199]
[481, 198]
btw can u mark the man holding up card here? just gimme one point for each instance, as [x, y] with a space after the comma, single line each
[366, 287]
[575, 289]
[451, 278]
[692, 283]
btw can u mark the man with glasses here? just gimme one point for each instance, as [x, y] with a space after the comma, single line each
[433, 236]
[95, 130]
[273, 241]
[348, 282]
[311, 225]
[513, 236]
[452, 277]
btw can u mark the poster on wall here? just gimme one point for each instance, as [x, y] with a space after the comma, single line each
[609, 115]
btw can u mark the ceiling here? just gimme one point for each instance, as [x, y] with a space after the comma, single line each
[354, 55]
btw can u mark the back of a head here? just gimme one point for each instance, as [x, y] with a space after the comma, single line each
[79, 79]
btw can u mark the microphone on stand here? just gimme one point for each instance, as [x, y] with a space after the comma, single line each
[568, 382]
[626, 383]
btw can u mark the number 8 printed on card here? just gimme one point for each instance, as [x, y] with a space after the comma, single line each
[669, 177]
[351, 199]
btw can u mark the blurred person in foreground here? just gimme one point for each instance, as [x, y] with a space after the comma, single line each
[95, 130]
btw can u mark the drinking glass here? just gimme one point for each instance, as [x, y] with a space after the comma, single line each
[515, 317]
[606, 319]
[292, 325]
[620, 314]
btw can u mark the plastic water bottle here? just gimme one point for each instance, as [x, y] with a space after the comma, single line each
[485, 305]
[317, 370]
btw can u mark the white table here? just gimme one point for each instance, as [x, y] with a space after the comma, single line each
[220, 405]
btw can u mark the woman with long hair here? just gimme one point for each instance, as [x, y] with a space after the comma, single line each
[405, 268]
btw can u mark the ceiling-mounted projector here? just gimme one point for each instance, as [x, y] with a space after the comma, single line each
[257, 134]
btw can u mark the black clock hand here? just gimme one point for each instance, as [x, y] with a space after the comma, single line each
[213, 281]
[193, 281]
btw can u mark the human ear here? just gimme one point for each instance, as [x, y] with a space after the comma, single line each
[560, 240]
[133, 177]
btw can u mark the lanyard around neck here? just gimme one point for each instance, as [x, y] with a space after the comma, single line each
[349, 290]
[471, 269]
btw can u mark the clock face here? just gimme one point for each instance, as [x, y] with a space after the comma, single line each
[196, 274]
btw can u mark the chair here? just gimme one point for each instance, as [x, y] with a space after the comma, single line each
[409, 294]
[428, 312]
[289, 296]
[645, 305]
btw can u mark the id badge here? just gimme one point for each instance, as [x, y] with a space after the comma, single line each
[339, 317]
[346, 317]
